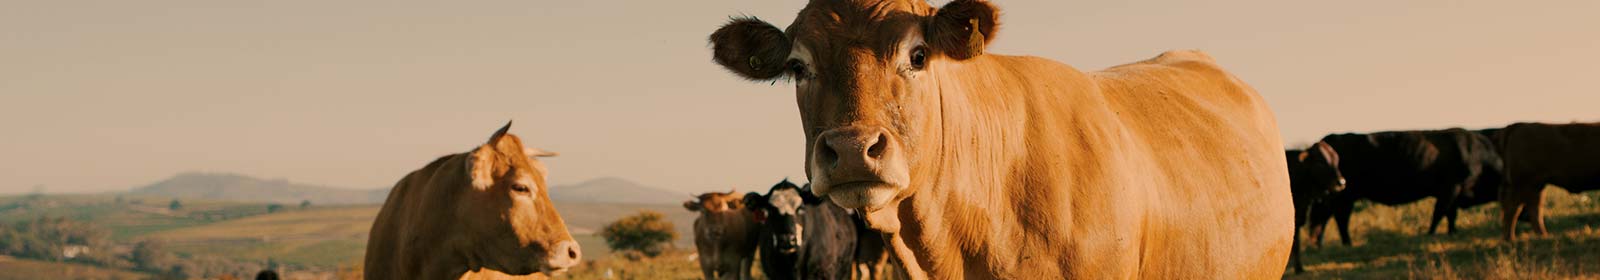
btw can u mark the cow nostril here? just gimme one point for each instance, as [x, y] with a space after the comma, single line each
[826, 154]
[875, 150]
[572, 253]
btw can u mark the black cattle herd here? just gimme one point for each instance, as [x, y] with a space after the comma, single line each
[1459, 168]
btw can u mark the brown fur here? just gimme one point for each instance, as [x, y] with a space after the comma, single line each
[1535, 154]
[437, 224]
[724, 235]
[1017, 167]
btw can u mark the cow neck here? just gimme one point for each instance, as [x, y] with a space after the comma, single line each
[984, 144]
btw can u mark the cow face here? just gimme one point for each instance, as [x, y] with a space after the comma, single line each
[1318, 170]
[715, 202]
[782, 212]
[512, 226]
[867, 77]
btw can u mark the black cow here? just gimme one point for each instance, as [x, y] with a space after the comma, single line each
[1400, 167]
[1313, 175]
[1536, 155]
[802, 236]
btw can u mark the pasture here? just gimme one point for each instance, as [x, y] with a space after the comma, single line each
[1391, 243]
[24, 269]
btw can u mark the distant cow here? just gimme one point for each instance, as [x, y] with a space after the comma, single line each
[1394, 168]
[803, 236]
[982, 165]
[724, 235]
[872, 254]
[1565, 155]
[1313, 175]
[471, 215]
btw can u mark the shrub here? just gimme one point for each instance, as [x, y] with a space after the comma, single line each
[648, 233]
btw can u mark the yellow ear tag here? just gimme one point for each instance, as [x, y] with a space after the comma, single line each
[975, 42]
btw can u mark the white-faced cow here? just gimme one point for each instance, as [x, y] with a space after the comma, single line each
[481, 214]
[802, 236]
[979, 165]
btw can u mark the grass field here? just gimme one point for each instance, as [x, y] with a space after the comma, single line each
[1388, 241]
[320, 236]
[22, 269]
[1391, 243]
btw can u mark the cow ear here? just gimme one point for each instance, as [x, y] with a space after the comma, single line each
[962, 29]
[480, 167]
[1328, 153]
[693, 206]
[807, 197]
[751, 48]
[754, 201]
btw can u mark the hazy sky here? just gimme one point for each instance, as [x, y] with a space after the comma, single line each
[109, 95]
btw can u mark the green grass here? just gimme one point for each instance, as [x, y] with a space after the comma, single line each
[14, 268]
[134, 217]
[1391, 243]
[320, 236]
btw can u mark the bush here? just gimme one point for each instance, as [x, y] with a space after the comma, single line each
[648, 232]
[175, 205]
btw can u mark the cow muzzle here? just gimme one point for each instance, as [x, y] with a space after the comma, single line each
[787, 243]
[562, 256]
[858, 166]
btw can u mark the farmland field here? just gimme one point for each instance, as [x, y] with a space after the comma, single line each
[1392, 243]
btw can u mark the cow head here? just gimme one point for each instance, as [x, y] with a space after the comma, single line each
[867, 77]
[509, 222]
[715, 202]
[1318, 170]
[782, 212]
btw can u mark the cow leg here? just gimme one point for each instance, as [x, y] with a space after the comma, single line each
[1452, 218]
[1317, 224]
[1341, 215]
[744, 267]
[1535, 210]
[1443, 207]
[1510, 208]
[1439, 213]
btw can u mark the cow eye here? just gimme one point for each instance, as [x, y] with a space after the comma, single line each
[797, 69]
[519, 188]
[919, 58]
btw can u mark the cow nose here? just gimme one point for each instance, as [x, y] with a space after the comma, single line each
[855, 148]
[566, 254]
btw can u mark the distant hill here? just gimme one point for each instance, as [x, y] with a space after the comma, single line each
[615, 190]
[235, 187]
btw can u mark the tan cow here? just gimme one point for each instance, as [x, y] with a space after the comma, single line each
[1535, 155]
[724, 234]
[978, 165]
[471, 215]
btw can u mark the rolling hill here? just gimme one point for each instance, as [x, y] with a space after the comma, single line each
[616, 190]
[235, 187]
[243, 188]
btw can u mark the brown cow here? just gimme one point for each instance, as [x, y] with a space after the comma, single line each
[724, 234]
[1535, 154]
[978, 165]
[471, 215]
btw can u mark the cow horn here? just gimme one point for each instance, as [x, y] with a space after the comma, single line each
[500, 133]
[538, 153]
